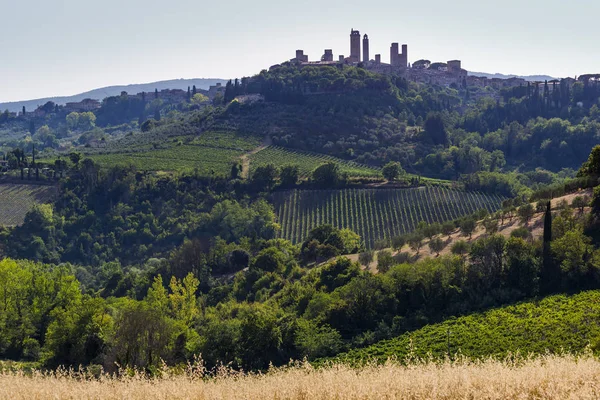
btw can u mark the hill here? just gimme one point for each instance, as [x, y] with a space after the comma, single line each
[531, 78]
[101, 93]
[554, 323]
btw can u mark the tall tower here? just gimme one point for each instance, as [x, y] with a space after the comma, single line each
[354, 46]
[394, 55]
[404, 61]
[366, 49]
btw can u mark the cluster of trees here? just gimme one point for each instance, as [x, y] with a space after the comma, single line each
[276, 307]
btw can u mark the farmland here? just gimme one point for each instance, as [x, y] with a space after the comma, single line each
[17, 199]
[555, 323]
[307, 162]
[375, 213]
[178, 158]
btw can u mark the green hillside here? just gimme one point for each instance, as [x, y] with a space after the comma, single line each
[555, 323]
[17, 199]
[375, 213]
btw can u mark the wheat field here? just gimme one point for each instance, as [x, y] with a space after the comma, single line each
[545, 377]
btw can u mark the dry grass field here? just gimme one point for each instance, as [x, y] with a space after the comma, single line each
[546, 377]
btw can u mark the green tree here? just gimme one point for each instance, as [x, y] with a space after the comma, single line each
[467, 226]
[460, 248]
[526, 212]
[385, 260]
[392, 171]
[436, 245]
[264, 177]
[289, 175]
[327, 175]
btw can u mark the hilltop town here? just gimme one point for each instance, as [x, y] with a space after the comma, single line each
[450, 73]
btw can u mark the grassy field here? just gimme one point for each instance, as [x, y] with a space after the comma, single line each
[307, 162]
[17, 199]
[374, 213]
[177, 158]
[555, 323]
[545, 377]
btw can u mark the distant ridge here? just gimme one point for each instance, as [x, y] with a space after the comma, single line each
[101, 93]
[531, 78]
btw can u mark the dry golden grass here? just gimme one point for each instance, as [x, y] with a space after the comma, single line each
[546, 377]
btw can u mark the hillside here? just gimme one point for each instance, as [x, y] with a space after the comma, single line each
[101, 93]
[557, 323]
[375, 214]
[530, 78]
[17, 199]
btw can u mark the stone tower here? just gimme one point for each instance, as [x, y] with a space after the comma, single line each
[354, 46]
[366, 48]
[394, 55]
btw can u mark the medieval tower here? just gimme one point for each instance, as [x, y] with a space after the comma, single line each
[398, 59]
[354, 46]
[366, 49]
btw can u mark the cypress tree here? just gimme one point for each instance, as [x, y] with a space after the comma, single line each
[549, 275]
[156, 93]
[194, 90]
[189, 94]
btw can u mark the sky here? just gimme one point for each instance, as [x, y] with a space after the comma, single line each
[65, 47]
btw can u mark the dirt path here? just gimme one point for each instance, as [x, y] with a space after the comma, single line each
[245, 159]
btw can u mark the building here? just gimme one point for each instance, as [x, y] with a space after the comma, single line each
[354, 46]
[398, 59]
[82, 106]
[366, 49]
[328, 56]
[300, 56]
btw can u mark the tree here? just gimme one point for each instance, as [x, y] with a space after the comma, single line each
[270, 259]
[392, 171]
[460, 248]
[436, 245]
[467, 226]
[592, 166]
[435, 129]
[235, 170]
[75, 158]
[366, 258]
[229, 92]
[491, 225]
[447, 228]
[415, 241]
[580, 202]
[384, 261]
[526, 212]
[398, 242]
[327, 175]
[263, 178]
[550, 274]
[289, 175]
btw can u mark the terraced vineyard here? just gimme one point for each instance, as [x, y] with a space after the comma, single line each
[17, 199]
[375, 213]
[555, 323]
[307, 162]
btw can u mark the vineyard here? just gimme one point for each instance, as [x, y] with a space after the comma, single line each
[16, 200]
[375, 213]
[307, 162]
[178, 158]
[555, 323]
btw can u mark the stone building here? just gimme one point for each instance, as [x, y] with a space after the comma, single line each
[328, 56]
[354, 46]
[365, 49]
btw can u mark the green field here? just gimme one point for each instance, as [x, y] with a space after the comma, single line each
[375, 213]
[555, 323]
[17, 199]
[307, 162]
[177, 158]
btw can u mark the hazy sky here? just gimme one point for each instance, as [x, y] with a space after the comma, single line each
[65, 47]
